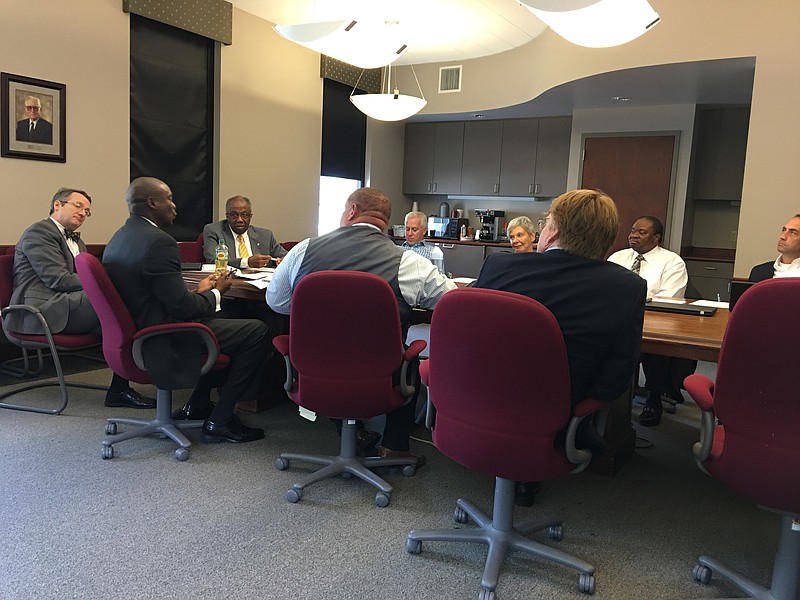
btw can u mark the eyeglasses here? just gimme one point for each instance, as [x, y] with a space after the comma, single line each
[541, 224]
[81, 208]
[236, 215]
[33, 108]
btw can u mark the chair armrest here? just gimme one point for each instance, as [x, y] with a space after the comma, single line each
[584, 409]
[30, 309]
[409, 355]
[281, 343]
[701, 389]
[206, 336]
[414, 350]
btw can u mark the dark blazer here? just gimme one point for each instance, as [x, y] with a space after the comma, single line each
[262, 241]
[44, 276]
[144, 264]
[598, 305]
[763, 271]
[42, 134]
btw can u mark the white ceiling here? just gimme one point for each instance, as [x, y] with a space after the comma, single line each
[453, 30]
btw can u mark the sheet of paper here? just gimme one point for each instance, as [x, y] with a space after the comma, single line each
[668, 300]
[462, 281]
[710, 303]
[209, 268]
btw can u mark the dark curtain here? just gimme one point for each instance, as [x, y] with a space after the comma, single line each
[344, 133]
[172, 84]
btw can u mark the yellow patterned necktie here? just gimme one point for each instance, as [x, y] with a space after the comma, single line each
[243, 253]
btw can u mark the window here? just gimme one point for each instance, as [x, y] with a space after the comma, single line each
[333, 191]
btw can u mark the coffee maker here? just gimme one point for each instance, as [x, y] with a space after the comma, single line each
[491, 224]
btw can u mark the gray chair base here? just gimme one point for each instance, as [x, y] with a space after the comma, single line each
[785, 573]
[501, 535]
[346, 463]
[163, 424]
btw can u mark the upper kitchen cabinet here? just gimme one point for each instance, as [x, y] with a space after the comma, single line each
[521, 157]
[720, 153]
[433, 154]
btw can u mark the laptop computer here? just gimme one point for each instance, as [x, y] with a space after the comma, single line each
[686, 309]
[737, 289]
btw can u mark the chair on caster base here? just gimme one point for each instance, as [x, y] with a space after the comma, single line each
[491, 425]
[123, 349]
[748, 428]
[338, 366]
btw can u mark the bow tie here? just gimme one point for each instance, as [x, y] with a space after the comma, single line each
[72, 235]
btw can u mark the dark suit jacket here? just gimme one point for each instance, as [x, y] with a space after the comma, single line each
[598, 305]
[262, 241]
[144, 264]
[763, 271]
[44, 276]
[42, 134]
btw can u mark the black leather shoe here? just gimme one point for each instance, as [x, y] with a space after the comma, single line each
[193, 413]
[233, 431]
[366, 440]
[650, 416]
[129, 398]
[525, 492]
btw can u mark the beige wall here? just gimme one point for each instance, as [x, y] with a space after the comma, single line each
[83, 44]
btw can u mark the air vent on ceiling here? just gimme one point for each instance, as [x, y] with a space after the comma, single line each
[449, 79]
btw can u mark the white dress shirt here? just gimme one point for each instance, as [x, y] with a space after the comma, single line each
[791, 269]
[664, 271]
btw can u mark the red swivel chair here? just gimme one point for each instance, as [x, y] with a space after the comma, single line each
[123, 350]
[54, 343]
[503, 419]
[749, 437]
[288, 245]
[192, 252]
[343, 349]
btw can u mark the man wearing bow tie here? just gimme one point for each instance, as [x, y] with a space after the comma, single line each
[44, 277]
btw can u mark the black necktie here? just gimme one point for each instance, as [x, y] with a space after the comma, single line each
[637, 263]
[72, 235]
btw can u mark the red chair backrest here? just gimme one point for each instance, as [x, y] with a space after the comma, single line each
[499, 380]
[115, 318]
[756, 399]
[345, 343]
[288, 245]
[192, 251]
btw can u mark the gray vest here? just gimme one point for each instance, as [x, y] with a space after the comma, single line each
[357, 248]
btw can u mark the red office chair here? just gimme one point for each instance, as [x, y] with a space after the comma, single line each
[122, 348]
[343, 349]
[749, 429]
[54, 343]
[288, 245]
[192, 252]
[503, 418]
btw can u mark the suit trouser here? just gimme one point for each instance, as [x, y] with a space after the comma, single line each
[665, 373]
[245, 341]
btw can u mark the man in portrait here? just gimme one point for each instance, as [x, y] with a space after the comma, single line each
[33, 128]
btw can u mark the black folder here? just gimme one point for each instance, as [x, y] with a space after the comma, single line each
[685, 309]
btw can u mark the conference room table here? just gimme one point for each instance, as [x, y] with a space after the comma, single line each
[664, 333]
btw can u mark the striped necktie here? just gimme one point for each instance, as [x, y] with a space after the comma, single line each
[637, 263]
[242, 247]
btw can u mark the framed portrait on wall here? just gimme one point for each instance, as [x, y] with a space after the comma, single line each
[33, 118]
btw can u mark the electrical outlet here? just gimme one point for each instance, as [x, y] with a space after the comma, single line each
[733, 235]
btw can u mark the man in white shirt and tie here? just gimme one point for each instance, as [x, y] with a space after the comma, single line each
[248, 247]
[666, 276]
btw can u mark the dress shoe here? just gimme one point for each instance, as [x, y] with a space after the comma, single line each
[651, 416]
[366, 440]
[233, 431]
[525, 491]
[193, 413]
[129, 398]
[385, 452]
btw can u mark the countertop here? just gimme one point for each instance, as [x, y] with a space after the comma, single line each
[463, 242]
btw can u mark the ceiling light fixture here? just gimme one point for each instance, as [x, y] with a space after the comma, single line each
[365, 43]
[595, 23]
[392, 105]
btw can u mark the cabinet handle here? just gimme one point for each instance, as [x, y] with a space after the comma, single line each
[530, 188]
[435, 185]
[429, 186]
[710, 268]
[537, 188]
[496, 188]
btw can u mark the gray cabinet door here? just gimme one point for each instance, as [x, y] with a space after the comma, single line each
[418, 162]
[518, 162]
[552, 156]
[462, 260]
[480, 173]
[447, 155]
[721, 149]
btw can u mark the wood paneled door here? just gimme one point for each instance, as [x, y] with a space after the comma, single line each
[636, 171]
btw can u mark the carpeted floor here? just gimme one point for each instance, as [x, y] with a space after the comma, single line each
[144, 525]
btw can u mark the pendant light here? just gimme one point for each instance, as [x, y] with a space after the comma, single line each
[392, 105]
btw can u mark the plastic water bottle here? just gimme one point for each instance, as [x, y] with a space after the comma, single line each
[437, 258]
[220, 258]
